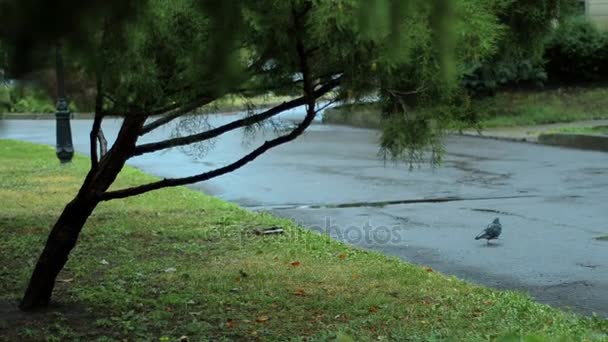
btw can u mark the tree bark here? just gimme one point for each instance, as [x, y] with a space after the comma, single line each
[65, 232]
[103, 143]
[59, 244]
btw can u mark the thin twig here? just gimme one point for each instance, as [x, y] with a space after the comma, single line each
[248, 121]
[175, 113]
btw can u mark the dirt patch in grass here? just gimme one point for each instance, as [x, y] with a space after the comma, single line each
[60, 321]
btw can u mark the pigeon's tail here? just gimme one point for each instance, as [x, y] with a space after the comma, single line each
[481, 236]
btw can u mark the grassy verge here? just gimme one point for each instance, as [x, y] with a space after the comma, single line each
[582, 130]
[31, 105]
[356, 115]
[236, 104]
[178, 263]
[506, 109]
[529, 108]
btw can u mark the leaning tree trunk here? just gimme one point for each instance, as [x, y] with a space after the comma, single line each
[59, 244]
[64, 234]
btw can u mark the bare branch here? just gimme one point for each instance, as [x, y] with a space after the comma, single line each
[112, 162]
[175, 113]
[97, 121]
[172, 182]
[303, 56]
[329, 103]
[103, 143]
[93, 140]
[213, 133]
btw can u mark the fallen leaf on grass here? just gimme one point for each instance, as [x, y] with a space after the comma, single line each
[430, 270]
[231, 324]
[295, 264]
[373, 308]
[299, 292]
[342, 256]
[319, 317]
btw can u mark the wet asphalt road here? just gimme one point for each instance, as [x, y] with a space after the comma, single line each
[552, 202]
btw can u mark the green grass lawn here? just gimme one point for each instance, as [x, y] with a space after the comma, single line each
[179, 263]
[583, 130]
[527, 108]
[506, 109]
[234, 103]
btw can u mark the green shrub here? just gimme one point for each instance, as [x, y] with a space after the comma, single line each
[28, 99]
[32, 105]
[485, 79]
[577, 52]
[25, 99]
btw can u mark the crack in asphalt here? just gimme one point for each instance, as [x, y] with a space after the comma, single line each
[381, 204]
[494, 211]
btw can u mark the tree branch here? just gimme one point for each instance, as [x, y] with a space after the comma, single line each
[172, 182]
[303, 56]
[210, 134]
[97, 121]
[93, 141]
[176, 113]
[103, 143]
[176, 110]
[329, 103]
[309, 99]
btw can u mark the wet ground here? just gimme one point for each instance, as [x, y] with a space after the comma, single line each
[552, 202]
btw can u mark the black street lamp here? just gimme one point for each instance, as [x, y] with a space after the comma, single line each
[64, 147]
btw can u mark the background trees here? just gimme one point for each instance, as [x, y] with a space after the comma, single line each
[518, 56]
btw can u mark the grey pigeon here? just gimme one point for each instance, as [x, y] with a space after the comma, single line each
[491, 232]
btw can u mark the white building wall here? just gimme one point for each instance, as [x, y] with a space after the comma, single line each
[597, 11]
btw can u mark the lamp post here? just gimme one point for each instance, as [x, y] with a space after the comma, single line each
[64, 147]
